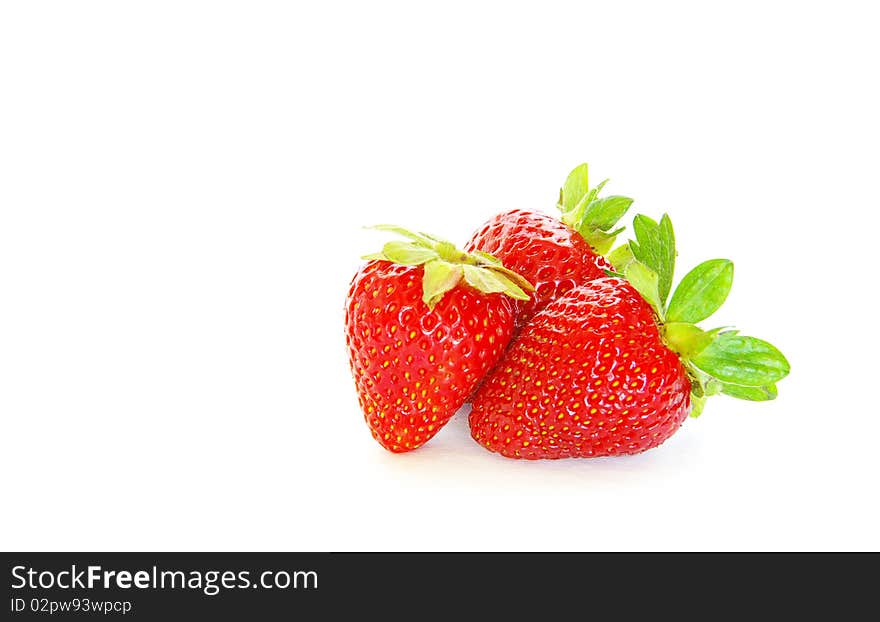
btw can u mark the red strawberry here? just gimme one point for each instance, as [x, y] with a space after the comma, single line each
[588, 376]
[555, 256]
[608, 369]
[424, 323]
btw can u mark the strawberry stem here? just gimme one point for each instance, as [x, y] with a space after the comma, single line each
[718, 360]
[446, 267]
[593, 217]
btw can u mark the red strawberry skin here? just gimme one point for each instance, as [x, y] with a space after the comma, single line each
[414, 368]
[549, 254]
[588, 376]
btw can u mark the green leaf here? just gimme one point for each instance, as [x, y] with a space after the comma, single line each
[599, 241]
[489, 281]
[484, 280]
[698, 403]
[380, 256]
[518, 279]
[753, 394]
[667, 257]
[604, 213]
[645, 229]
[593, 193]
[655, 247]
[741, 360]
[407, 253]
[645, 281]
[597, 218]
[621, 257]
[512, 289]
[419, 238]
[448, 252]
[490, 258]
[702, 291]
[440, 277]
[576, 186]
[590, 216]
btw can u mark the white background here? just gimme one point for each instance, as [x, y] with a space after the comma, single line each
[182, 187]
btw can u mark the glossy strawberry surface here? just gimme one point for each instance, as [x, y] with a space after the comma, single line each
[552, 256]
[414, 368]
[587, 376]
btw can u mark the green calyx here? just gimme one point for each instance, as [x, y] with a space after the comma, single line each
[592, 216]
[446, 266]
[719, 360]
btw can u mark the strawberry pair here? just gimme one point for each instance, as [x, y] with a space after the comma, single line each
[565, 347]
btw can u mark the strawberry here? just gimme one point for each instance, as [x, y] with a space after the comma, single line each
[424, 323]
[609, 369]
[555, 255]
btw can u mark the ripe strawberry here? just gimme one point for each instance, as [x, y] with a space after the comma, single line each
[555, 255]
[424, 323]
[608, 369]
